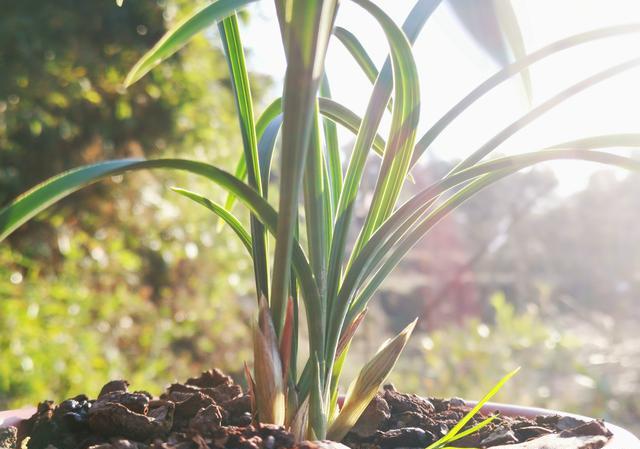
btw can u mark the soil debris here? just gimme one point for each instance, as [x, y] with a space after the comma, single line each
[8, 437]
[212, 412]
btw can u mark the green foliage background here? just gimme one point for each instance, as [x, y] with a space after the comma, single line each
[125, 279]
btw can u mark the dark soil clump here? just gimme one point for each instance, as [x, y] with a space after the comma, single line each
[212, 412]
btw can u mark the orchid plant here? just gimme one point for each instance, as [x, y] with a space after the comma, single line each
[302, 259]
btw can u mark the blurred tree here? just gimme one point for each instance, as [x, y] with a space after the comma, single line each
[125, 279]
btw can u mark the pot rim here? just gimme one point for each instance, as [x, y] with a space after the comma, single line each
[622, 438]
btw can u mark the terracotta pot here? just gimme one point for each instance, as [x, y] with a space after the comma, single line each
[622, 439]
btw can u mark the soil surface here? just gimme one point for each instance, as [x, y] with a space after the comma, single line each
[211, 411]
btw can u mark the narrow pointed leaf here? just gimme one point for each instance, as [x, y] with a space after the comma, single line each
[268, 115]
[347, 335]
[267, 133]
[397, 156]
[269, 384]
[182, 33]
[234, 53]
[513, 36]
[455, 429]
[286, 341]
[332, 151]
[317, 208]
[357, 50]
[300, 422]
[224, 215]
[401, 73]
[366, 385]
[474, 429]
[317, 410]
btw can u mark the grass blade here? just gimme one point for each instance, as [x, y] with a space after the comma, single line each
[330, 109]
[513, 35]
[359, 54]
[455, 429]
[182, 33]
[404, 120]
[317, 407]
[474, 429]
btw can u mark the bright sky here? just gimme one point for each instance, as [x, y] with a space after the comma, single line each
[451, 64]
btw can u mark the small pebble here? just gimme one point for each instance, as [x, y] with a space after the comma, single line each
[269, 442]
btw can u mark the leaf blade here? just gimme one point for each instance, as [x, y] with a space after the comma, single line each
[180, 34]
[224, 215]
[366, 384]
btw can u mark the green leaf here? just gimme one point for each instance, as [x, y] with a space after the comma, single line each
[332, 150]
[474, 429]
[271, 119]
[317, 208]
[456, 429]
[234, 52]
[365, 386]
[317, 409]
[266, 118]
[357, 50]
[512, 69]
[182, 33]
[224, 215]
